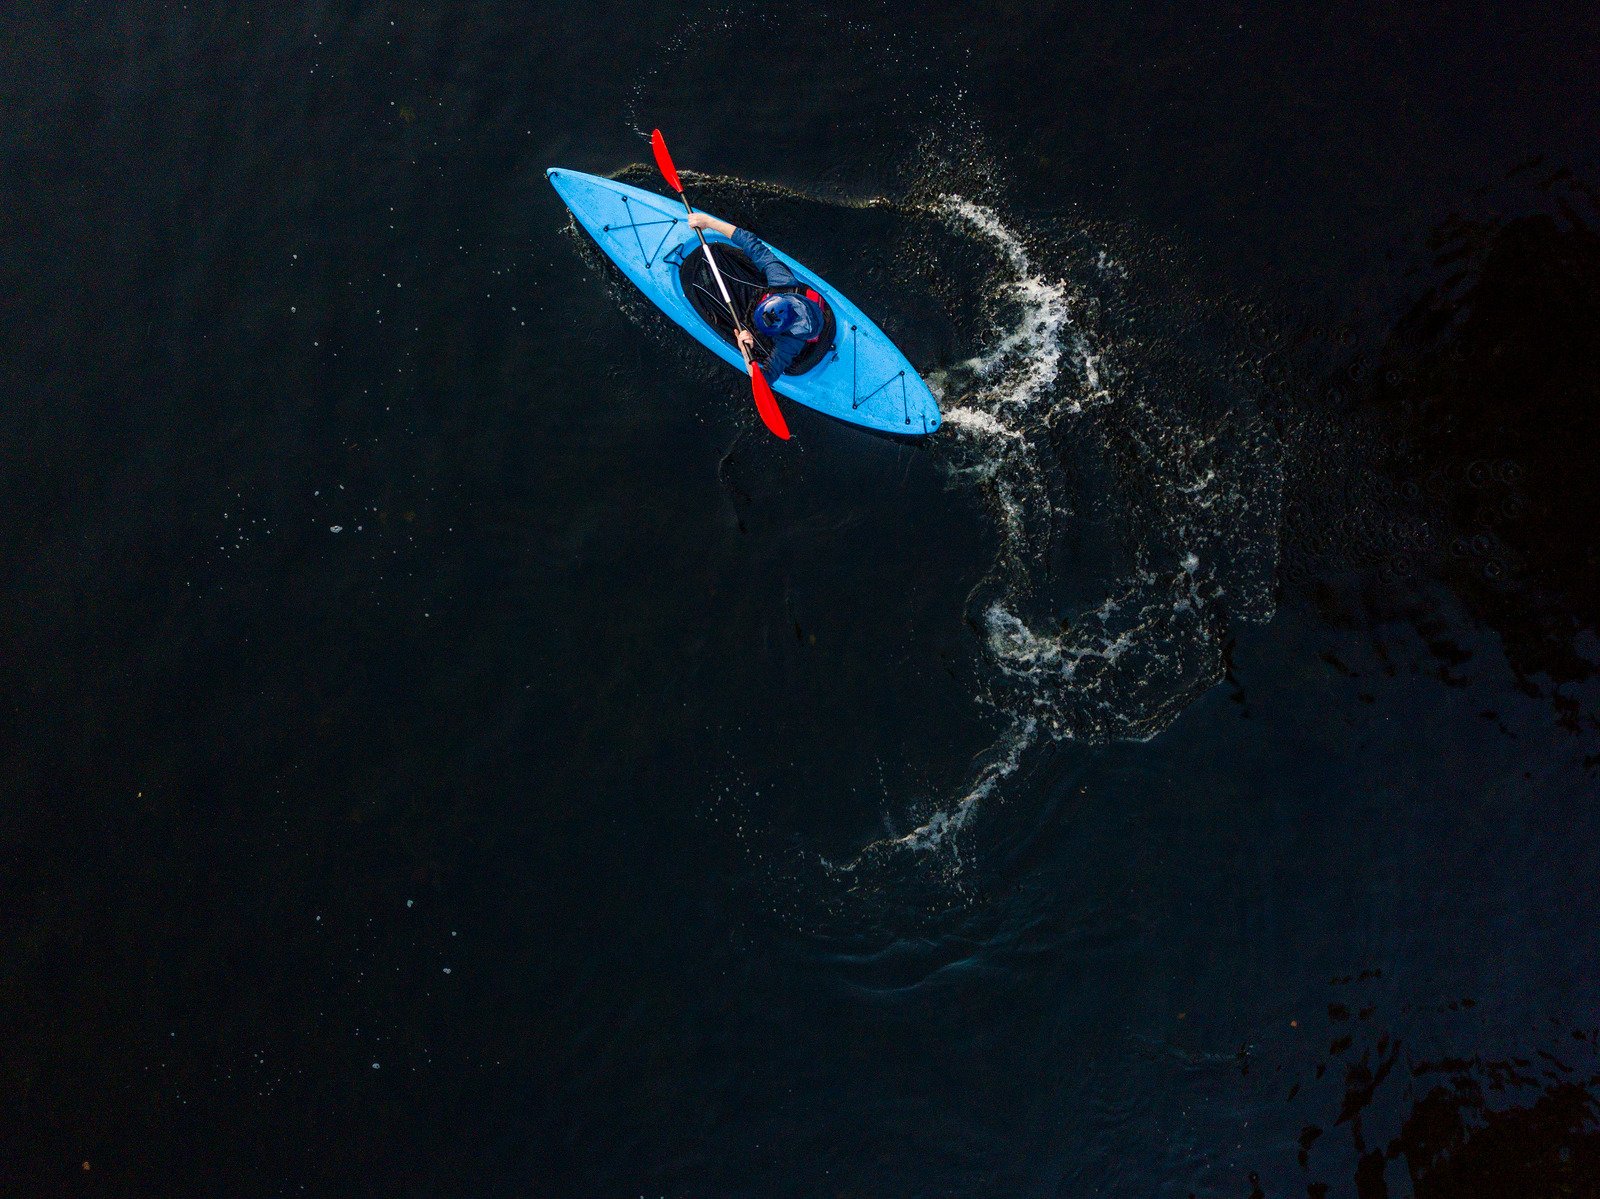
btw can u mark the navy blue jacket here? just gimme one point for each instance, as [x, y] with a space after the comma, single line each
[786, 347]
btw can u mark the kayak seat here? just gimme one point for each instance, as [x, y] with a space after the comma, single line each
[746, 285]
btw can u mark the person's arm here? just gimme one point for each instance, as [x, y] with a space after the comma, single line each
[768, 263]
[701, 220]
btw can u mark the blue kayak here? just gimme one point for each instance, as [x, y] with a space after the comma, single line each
[862, 379]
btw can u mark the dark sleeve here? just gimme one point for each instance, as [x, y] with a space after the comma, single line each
[778, 275]
[785, 350]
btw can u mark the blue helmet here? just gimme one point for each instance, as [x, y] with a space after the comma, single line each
[776, 314]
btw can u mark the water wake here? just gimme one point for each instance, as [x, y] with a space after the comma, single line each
[1076, 415]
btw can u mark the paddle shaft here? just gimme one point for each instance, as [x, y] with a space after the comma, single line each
[766, 403]
[721, 286]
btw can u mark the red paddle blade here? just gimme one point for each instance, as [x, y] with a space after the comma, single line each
[766, 405]
[664, 160]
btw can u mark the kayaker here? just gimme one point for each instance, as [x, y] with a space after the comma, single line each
[791, 314]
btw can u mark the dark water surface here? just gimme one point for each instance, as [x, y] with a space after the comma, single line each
[449, 750]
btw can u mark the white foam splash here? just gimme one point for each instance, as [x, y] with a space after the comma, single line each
[1037, 340]
[1124, 669]
[945, 823]
[1011, 379]
[977, 421]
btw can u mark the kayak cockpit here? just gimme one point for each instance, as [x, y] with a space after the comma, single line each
[746, 285]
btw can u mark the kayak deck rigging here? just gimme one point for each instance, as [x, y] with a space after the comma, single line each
[668, 219]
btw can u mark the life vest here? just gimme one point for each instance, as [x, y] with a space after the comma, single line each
[809, 293]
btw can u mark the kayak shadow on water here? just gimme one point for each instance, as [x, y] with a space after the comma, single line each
[1111, 420]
